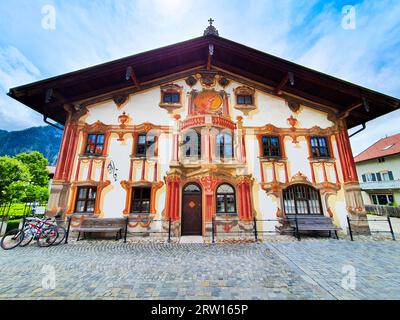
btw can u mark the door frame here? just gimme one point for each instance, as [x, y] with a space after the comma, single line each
[201, 204]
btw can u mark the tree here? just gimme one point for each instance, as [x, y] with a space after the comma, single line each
[13, 173]
[36, 163]
[24, 177]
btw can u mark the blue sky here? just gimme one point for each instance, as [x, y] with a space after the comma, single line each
[308, 32]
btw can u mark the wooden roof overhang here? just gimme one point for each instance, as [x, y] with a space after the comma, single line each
[144, 70]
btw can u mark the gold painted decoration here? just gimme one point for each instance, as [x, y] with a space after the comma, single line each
[192, 204]
[207, 102]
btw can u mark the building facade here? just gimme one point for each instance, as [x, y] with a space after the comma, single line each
[378, 170]
[204, 130]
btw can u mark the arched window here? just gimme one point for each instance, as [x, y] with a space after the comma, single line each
[301, 199]
[192, 188]
[226, 200]
[224, 145]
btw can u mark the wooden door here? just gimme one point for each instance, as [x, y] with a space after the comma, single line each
[191, 210]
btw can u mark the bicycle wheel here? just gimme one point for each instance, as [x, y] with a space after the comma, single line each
[61, 235]
[47, 237]
[12, 239]
[28, 237]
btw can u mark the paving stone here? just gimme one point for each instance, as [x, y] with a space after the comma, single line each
[279, 269]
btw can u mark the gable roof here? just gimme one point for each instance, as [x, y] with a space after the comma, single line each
[110, 78]
[383, 147]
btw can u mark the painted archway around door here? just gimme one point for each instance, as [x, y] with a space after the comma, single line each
[301, 199]
[191, 210]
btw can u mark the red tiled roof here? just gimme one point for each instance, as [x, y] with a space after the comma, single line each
[383, 147]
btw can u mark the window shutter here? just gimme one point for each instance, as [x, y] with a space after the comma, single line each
[390, 175]
[378, 176]
[364, 179]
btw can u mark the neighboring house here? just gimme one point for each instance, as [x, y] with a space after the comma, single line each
[205, 129]
[378, 169]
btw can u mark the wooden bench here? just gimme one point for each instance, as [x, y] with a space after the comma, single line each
[96, 225]
[312, 223]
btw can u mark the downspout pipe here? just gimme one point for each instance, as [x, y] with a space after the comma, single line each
[359, 130]
[52, 124]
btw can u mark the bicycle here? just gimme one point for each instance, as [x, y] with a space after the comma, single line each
[30, 231]
[45, 233]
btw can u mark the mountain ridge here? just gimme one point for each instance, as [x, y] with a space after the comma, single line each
[45, 139]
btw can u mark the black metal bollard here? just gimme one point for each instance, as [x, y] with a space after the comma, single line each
[255, 229]
[391, 228]
[126, 228]
[213, 230]
[350, 231]
[69, 225]
[169, 230]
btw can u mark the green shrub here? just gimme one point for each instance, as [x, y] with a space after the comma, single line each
[13, 224]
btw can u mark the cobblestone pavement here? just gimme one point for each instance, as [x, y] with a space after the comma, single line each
[309, 269]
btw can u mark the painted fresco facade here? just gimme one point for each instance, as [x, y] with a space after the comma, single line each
[185, 148]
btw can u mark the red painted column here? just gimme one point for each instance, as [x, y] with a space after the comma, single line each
[350, 158]
[143, 169]
[176, 201]
[324, 171]
[346, 157]
[262, 172]
[244, 195]
[312, 172]
[286, 173]
[89, 176]
[209, 183]
[155, 177]
[244, 156]
[63, 152]
[72, 145]
[336, 173]
[168, 202]
[172, 200]
[226, 105]
[249, 211]
[241, 201]
[273, 171]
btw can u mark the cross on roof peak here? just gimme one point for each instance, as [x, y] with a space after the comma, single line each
[210, 29]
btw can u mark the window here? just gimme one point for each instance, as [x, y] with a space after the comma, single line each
[226, 202]
[140, 199]
[270, 146]
[192, 144]
[244, 99]
[191, 188]
[387, 176]
[143, 144]
[379, 176]
[319, 147]
[85, 202]
[380, 160]
[224, 145]
[382, 199]
[171, 97]
[301, 199]
[95, 144]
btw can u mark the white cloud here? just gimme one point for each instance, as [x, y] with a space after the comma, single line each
[368, 55]
[15, 69]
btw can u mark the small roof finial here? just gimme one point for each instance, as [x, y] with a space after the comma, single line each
[210, 29]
